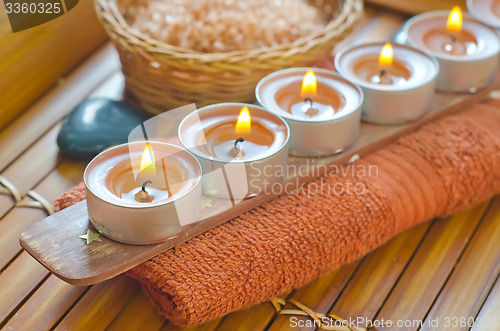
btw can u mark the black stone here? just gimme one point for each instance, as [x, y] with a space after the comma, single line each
[95, 124]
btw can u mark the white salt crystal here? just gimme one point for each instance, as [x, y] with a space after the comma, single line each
[224, 25]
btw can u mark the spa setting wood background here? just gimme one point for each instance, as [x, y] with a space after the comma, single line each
[445, 268]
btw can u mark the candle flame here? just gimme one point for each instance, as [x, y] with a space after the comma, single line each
[385, 58]
[309, 85]
[244, 123]
[148, 160]
[454, 23]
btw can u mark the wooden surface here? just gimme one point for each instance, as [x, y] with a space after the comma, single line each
[33, 60]
[49, 241]
[442, 269]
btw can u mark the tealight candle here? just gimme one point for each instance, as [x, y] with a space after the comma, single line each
[241, 147]
[143, 193]
[467, 50]
[486, 11]
[398, 81]
[322, 109]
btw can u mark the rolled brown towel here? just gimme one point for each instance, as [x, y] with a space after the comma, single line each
[440, 169]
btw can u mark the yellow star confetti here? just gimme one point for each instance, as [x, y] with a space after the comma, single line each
[90, 236]
[206, 203]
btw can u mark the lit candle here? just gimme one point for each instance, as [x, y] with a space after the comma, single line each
[322, 109]
[143, 193]
[385, 71]
[240, 148]
[121, 184]
[486, 11]
[240, 140]
[467, 50]
[452, 39]
[309, 104]
[398, 81]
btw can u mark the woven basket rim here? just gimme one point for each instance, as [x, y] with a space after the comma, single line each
[160, 47]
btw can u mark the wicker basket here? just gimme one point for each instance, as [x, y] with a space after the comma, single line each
[160, 77]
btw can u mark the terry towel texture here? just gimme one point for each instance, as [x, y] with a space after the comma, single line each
[440, 169]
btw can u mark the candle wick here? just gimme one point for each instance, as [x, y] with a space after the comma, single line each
[144, 185]
[239, 140]
[382, 73]
[310, 102]
[453, 39]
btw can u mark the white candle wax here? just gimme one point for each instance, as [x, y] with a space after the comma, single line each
[468, 59]
[408, 92]
[112, 183]
[334, 123]
[486, 11]
[245, 169]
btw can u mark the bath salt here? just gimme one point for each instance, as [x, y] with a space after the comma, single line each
[224, 25]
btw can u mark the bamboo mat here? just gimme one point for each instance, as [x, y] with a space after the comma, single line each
[33, 60]
[446, 268]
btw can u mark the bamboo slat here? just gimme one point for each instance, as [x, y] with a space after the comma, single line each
[17, 281]
[319, 295]
[374, 279]
[22, 276]
[31, 61]
[488, 317]
[146, 316]
[37, 161]
[245, 320]
[209, 326]
[41, 153]
[46, 306]
[13, 224]
[24, 131]
[472, 278]
[99, 306]
[422, 280]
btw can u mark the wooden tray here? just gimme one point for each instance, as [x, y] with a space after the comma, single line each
[55, 242]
